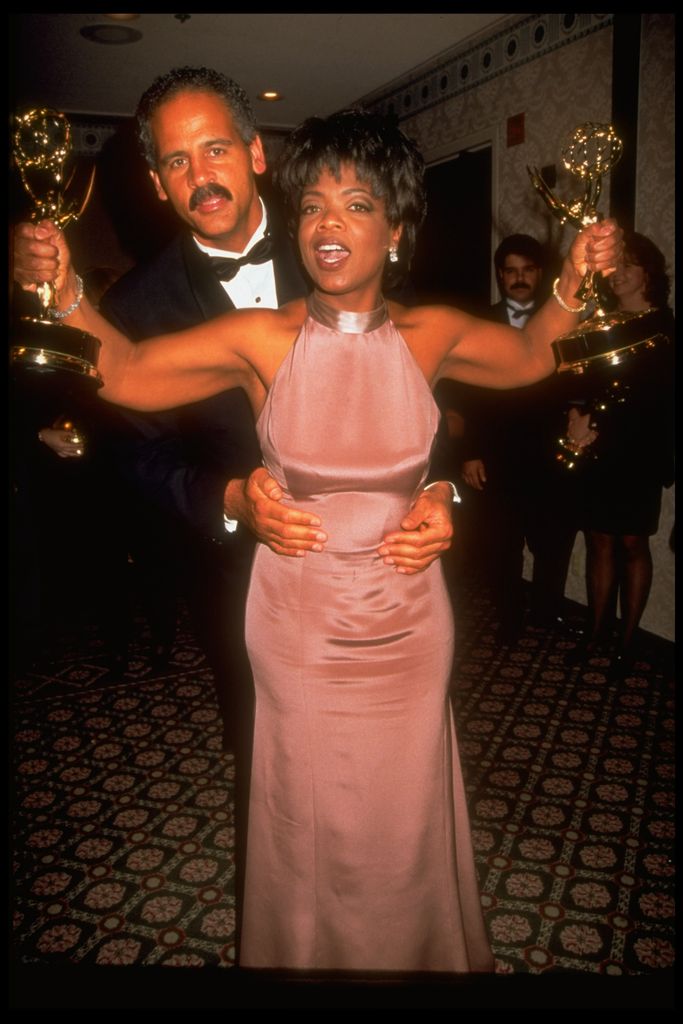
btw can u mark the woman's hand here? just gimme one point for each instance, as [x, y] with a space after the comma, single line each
[598, 247]
[580, 431]
[474, 473]
[41, 254]
[65, 443]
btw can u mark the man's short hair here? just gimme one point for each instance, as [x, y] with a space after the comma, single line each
[519, 245]
[189, 79]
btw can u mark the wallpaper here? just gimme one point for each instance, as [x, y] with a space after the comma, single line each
[556, 71]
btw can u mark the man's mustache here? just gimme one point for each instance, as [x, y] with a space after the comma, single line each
[206, 191]
[519, 285]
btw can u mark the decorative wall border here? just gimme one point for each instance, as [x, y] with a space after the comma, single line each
[456, 71]
[469, 66]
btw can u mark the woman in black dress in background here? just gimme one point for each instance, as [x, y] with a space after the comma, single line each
[635, 444]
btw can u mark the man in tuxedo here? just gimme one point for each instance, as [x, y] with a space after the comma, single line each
[519, 263]
[199, 137]
[516, 492]
[196, 463]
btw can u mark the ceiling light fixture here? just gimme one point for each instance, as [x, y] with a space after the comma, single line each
[111, 35]
[271, 95]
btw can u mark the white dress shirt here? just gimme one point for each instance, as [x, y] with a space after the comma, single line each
[526, 308]
[253, 286]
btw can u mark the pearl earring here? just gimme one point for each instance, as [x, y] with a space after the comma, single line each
[393, 254]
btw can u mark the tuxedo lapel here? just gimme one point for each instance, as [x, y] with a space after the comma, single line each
[209, 293]
[499, 312]
[289, 280]
[211, 297]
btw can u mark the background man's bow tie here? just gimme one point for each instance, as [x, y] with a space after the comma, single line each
[226, 266]
[517, 313]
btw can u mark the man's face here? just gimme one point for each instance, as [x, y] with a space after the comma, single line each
[205, 170]
[519, 278]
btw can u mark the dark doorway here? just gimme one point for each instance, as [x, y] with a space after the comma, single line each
[453, 255]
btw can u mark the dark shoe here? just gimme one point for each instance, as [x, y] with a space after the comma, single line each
[586, 649]
[573, 630]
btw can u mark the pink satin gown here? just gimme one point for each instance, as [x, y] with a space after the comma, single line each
[359, 852]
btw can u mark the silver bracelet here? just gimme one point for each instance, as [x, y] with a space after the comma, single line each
[61, 314]
[565, 307]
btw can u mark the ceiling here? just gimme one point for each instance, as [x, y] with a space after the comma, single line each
[320, 62]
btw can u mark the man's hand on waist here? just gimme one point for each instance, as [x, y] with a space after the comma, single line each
[257, 503]
[425, 534]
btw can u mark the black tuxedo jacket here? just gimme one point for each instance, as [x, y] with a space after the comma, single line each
[182, 459]
[498, 313]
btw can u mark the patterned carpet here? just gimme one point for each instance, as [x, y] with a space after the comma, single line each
[123, 832]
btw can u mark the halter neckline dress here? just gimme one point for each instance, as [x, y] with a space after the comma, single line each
[359, 854]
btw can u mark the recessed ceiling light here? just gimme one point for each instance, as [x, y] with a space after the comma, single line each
[111, 35]
[271, 95]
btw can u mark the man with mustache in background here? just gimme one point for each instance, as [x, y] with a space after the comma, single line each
[519, 269]
[515, 493]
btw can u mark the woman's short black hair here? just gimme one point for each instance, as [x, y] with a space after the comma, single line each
[384, 158]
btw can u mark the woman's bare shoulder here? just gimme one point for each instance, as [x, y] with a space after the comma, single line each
[284, 319]
[428, 317]
[266, 335]
[430, 331]
[292, 315]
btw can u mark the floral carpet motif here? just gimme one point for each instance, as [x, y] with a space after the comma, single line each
[123, 831]
[570, 778]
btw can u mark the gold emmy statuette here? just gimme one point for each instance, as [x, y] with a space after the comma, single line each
[605, 340]
[607, 346]
[42, 144]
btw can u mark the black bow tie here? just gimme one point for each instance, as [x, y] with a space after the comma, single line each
[517, 313]
[226, 266]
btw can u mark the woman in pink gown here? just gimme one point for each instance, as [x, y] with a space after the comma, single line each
[359, 853]
[359, 850]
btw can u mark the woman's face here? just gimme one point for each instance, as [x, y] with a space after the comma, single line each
[344, 238]
[629, 283]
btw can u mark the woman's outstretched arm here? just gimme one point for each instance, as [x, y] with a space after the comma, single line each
[497, 356]
[159, 373]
